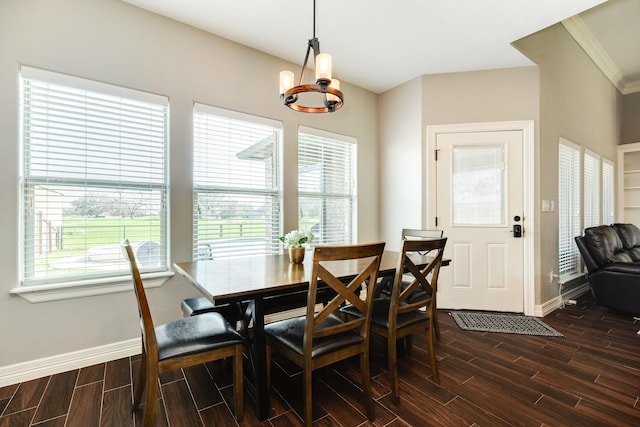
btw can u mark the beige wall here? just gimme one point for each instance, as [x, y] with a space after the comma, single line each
[114, 42]
[400, 131]
[577, 103]
[630, 131]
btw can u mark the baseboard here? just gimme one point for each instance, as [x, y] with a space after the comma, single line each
[557, 302]
[26, 371]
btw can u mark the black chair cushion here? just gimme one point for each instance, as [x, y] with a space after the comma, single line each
[290, 332]
[380, 314]
[605, 245]
[630, 237]
[197, 305]
[417, 294]
[195, 334]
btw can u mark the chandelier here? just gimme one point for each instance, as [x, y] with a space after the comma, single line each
[322, 97]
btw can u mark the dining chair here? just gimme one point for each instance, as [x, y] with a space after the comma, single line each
[321, 338]
[408, 312]
[415, 234]
[178, 344]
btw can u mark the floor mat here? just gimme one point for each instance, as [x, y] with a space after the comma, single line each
[503, 323]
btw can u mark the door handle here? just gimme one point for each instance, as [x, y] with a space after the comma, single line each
[517, 230]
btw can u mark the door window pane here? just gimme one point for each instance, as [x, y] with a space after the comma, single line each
[478, 186]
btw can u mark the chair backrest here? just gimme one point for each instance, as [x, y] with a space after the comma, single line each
[415, 233]
[146, 322]
[329, 262]
[404, 297]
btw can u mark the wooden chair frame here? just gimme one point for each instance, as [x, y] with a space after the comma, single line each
[316, 325]
[151, 367]
[414, 233]
[402, 303]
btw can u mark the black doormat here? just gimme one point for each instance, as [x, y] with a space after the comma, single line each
[503, 323]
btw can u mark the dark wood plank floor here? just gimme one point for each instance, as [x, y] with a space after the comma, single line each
[591, 377]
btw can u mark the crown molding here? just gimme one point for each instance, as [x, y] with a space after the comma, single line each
[576, 27]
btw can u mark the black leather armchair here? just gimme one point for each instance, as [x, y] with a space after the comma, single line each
[612, 257]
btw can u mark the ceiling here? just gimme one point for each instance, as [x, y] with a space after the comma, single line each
[380, 44]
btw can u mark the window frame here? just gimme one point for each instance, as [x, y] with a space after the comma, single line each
[351, 196]
[591, 196]
[592, 185]
[608, 191]
[46, 287]
[571, 209]
[205, 249]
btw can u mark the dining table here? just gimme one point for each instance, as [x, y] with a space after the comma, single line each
[250, 281]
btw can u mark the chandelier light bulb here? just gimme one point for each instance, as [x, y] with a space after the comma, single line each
[335, 83]
[323, 67]
[286, 81]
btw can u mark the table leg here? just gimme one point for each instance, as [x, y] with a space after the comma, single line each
[258, 357]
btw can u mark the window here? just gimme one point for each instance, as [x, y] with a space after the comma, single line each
[94, 171]
[592, 206]
[479, 185]
[568, 208]
[608, 207]
[327, 186]
[236, 176]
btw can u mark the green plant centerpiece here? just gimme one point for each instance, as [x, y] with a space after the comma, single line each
[295, 241]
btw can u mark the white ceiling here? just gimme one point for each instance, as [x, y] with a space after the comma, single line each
[380, 44]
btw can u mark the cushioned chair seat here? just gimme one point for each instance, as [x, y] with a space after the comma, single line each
[286, 301]
[291, 333]
[380, 315]
[195, 334]
[197, 305]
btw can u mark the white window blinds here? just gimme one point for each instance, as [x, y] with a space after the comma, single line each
[608, 206]
[327, 186]
[592, 204]
[236, 181]
[94, 172]
[568, 208]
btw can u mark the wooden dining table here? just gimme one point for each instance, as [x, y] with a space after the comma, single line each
[249, 281]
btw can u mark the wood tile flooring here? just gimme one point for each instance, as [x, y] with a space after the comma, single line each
[591, 377]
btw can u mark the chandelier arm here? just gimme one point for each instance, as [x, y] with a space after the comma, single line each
[304, 64]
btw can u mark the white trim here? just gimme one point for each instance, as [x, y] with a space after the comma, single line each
[326, 134]
[528, 190]
[94, 86]
[236, 115]
[576, 27]
[556, 303]
[62, 291]
[38, 368]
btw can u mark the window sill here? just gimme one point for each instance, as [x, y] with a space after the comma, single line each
[69, 290]
[571, 279]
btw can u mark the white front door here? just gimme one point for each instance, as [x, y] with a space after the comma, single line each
[479, 204]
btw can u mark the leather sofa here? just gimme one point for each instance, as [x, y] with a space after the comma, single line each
[611, 254]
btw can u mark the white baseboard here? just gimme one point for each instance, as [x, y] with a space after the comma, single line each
[26, 371]
[556, 303]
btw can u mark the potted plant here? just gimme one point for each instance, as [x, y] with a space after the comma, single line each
[295, 241]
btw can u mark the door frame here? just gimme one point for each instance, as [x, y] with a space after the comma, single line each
[528, 191]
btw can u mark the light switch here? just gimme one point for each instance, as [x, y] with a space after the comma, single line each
[548, 206]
